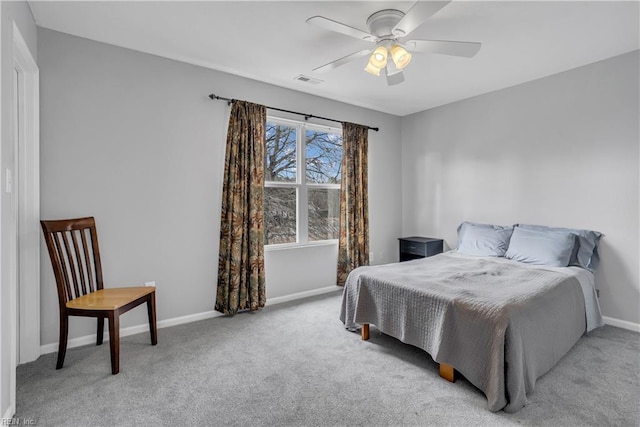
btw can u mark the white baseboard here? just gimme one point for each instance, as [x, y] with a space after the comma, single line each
[635, 327]
[300, 295]
[132, 330]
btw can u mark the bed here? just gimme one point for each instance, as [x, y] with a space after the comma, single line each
[499, 322]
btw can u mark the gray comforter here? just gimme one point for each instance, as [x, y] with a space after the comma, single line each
[499, 323]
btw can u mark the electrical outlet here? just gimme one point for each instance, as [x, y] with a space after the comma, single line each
[370, 257]
[152, 283]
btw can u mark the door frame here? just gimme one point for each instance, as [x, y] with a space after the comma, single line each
[27, 209]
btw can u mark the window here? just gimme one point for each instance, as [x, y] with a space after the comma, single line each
[302, 182]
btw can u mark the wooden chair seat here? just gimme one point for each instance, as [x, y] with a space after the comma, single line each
[109, 299]
[75, 257]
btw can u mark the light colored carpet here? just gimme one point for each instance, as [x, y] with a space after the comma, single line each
[295, 364]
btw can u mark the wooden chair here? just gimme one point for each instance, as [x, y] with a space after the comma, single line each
[75, 256]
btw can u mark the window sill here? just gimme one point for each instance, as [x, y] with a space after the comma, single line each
[288, 246]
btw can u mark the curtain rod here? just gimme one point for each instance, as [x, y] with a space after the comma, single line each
[306, 116]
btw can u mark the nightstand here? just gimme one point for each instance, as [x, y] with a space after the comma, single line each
[419, 247]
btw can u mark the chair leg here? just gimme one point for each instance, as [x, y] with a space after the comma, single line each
[151, 311]
[100, 331]
[114, 341]
[62, 343]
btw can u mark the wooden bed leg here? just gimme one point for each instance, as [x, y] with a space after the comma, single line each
[447, 372]
[365, 331]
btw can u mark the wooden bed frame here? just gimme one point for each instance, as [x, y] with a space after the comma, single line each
[446, 371]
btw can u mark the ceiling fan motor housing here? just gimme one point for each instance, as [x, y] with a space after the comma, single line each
[382, 23]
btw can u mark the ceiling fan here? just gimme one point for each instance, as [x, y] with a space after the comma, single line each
[386, 29]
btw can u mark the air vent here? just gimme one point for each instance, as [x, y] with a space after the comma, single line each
[306, 79]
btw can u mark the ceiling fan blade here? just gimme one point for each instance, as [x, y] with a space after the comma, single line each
[331, 25]
[338, 62]
[419, 12]
[445, 47]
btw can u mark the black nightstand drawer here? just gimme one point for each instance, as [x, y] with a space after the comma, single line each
[419, 247]
[414, 248]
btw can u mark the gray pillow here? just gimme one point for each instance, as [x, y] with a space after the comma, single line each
[483, 239]
[586, 251]
[541, 247]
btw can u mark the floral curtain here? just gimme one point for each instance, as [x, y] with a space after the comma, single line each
[353, 246]
[241, 260]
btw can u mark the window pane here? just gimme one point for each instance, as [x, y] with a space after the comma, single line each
[279, 215]
[324, 213]
[280, 164]
[324, 157]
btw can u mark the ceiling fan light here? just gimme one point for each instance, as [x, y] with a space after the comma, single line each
[400, 56]
[379, 57]
[372, 69]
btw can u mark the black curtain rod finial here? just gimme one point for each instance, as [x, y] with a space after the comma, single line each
[215, 97]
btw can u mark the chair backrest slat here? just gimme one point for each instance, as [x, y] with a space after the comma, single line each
[74, 256]
[73, 278]
[82, 263]
[62, 266]
[92, 286]
[96, 256]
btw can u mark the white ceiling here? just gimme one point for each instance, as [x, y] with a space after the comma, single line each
[271, 42]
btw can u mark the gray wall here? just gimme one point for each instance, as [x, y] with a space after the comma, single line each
[560, 151]
[133, 140]
[17, 13]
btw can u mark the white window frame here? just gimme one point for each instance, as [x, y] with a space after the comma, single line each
[301, 185]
